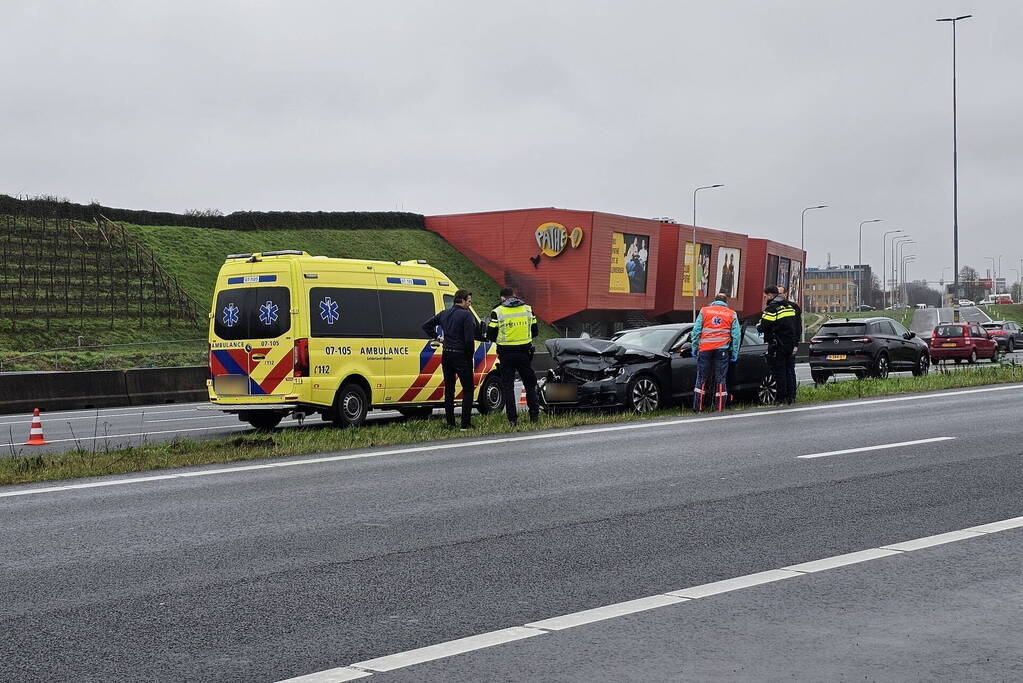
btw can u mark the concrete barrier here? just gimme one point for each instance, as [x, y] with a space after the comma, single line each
[22, 391]
[151, 386]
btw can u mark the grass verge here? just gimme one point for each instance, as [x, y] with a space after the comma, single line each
[100, 460]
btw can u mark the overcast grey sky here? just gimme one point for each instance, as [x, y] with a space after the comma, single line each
[439, 107]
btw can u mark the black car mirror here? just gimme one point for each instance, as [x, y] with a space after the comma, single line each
[909, 335]
[684, 349]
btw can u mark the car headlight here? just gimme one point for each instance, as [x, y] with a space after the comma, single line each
[614, 371]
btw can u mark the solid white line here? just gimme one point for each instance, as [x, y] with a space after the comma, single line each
[448, 649]
[111, 437]
[738, 583]
[619, 609]
[91, 412]
[840, 560]
[878, 448]
[474, 444]
[331, 676]
[455, 647]
[52, 416]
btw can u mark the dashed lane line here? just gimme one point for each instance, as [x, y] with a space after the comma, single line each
[552, 625]
[484, 442]
[881, 447]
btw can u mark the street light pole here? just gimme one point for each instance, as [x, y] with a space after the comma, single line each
[859, 289]
[884, 265]
[896, 243]
[898, 270]
[908, 258]
[955, 159]
[802, 226]
[692, 267]
[991, 273]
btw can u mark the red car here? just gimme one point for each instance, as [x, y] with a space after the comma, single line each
[962, 341]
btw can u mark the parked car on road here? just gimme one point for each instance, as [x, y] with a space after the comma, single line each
[1005, 299]
[645, 369]
[1007, 333]
[966, 302]
[864, 307]
[962, 341]
[866, 347]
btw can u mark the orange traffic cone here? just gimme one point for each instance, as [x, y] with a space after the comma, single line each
[522, 397]
[35, 435]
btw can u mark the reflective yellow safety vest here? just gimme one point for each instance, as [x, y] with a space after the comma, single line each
[717, 327]
[514, 325]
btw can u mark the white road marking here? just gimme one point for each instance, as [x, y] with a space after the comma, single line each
[111, 437]
[448, 649]
[454, 647]
[476, 443]
[619, 609]
[881, 447]
[707, 589]
[331, 676]
[56, 416]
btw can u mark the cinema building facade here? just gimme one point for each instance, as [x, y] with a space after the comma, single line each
[587, 271]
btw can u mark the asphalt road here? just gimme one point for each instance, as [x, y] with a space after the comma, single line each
[260, 573]
[925, 319]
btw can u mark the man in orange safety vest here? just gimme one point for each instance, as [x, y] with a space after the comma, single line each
[715, 344]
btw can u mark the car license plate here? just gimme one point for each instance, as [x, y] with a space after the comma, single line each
[556, 392]
[949, 344]
[837, 356]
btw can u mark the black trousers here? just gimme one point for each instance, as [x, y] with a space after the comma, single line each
[456, 365]
[783, 366]
[512, 361]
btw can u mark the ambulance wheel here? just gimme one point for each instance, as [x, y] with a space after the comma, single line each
[350, 406]
[264, 421]
[416, 413]
[491, 399]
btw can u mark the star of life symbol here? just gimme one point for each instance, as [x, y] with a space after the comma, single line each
[231, 315]
[268, 313]
[717, 320]
[328, 310]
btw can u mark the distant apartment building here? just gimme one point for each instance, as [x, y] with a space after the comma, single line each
[836, 288]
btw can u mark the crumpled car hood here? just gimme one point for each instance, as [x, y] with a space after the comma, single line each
[596, 354]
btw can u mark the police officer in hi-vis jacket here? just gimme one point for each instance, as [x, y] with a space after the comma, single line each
[513, 326]
[715, 344]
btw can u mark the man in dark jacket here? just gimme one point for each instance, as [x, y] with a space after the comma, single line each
[458, 332]
[782, 291]
[778, 324]
[513, 326]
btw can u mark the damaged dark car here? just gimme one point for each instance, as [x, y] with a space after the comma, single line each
[645, 369]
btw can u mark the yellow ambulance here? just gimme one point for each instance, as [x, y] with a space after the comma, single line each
[294, 333]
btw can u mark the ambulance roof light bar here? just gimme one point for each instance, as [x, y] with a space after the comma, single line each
[231, 256]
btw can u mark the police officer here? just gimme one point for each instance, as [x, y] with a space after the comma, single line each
[778, 324]
[458, 326]
[513, 326]
[715, 344]
[782, 291]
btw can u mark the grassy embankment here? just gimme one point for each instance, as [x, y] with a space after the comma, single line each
[1012, 312]
[23, 467]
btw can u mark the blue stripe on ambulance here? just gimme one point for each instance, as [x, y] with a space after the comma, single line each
[229, 363]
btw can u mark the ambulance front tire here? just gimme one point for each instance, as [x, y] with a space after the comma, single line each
[264, 421]
[351, 406]
[491, 396]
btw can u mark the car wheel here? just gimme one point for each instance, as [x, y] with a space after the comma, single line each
[264, 421]
[923, 365]
[491, 398]
[350, 406]
[973, 356]
[996, 356]
[416, 413]
[767, 392]
[644, 394]
[819, 376]
[881, 366]
[1011, 346]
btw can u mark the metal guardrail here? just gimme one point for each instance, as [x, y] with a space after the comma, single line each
[7, 361]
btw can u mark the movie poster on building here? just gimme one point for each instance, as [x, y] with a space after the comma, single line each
[728, 271]
[796, 281]
[629, 258]
[783, 272]
[702, 270]
[771, 272]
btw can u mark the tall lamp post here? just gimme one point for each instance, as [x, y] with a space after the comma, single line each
[992, 273]
[908, 258]
[692, 268]
[802, 225]
[896, 243]
[884, 264]
[898, 268]
[859, 295]
[955, 160]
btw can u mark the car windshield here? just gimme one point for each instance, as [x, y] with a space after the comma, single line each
[649, 339]
[949, 331]
[843, 329]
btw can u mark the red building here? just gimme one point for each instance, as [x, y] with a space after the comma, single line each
[598, 272]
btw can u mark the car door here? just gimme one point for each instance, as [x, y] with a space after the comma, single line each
[907, 348]
[751, 367]
[683, 366]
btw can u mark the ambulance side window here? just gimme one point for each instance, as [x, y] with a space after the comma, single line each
[405, 312]
[338, 312]
[449, 301]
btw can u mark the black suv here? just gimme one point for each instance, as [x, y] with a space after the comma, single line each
[866, 347]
